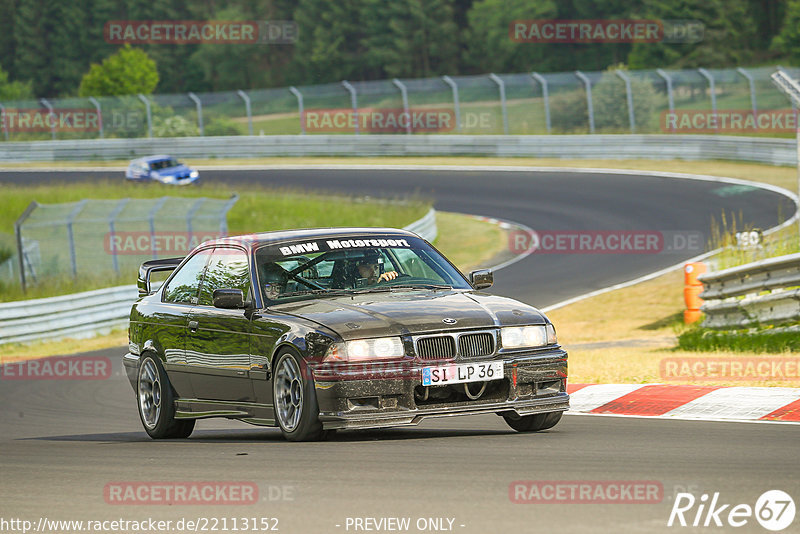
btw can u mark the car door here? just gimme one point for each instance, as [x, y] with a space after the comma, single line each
[140, 170]
[218, 340]
[169, 319]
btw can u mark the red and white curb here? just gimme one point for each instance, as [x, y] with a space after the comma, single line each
[709, 403]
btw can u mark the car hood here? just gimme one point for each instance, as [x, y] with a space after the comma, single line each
[411, 312]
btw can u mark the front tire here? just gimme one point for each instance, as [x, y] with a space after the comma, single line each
[533, 423]
[296, 409]
[156, 402]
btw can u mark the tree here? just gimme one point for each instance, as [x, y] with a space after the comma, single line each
[595, 56]
[332, 44]
[788, 40]
[727, 41]
[7, 44]
[419, 38]
[610, 101]
[130, 71]
[768, 17]
[244, 66]
[47, 50]
[10, 91]
[176, 73]
[174, 126]
[489, 46]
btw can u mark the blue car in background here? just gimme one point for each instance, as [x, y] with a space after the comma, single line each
[164, 169]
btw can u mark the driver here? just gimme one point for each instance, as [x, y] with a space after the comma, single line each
[369, 268]
[273, 279]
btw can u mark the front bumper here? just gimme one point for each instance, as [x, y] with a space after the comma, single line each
[173, 180]
[390, 394]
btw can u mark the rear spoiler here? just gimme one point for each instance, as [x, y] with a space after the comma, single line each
[148, 267]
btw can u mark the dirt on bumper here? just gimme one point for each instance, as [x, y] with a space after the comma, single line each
[391, 393]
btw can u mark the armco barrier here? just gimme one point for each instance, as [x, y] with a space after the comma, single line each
[68, 315]
[762, 293]
[83, 314]
[687, 147]
[426, 226]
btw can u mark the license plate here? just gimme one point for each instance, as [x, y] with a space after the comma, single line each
[460, 374]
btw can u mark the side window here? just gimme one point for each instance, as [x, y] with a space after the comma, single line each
[227, 269]
[185, 285]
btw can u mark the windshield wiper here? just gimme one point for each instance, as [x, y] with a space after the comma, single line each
[420, 286]
[374, 289]
[398, 286]
[362, 290]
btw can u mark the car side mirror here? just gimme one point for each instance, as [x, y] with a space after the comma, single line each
[481, 279]
[229, 299]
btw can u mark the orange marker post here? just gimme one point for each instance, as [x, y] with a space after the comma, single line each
[692, 289]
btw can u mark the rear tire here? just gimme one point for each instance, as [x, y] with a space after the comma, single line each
[156, 402]
[533, 423]
[295, 400]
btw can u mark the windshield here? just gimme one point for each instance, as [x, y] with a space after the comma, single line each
[164, 164]
[309, 268]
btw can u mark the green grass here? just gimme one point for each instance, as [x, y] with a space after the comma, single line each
[469, 242]
[257, 210]
[274, 126]
[705, 340]
[723, 232]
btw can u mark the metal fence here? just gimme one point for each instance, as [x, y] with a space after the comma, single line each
[615, 101]
[763, 293]
[97, 238]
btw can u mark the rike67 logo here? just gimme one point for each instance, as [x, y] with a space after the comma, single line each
[774, 510]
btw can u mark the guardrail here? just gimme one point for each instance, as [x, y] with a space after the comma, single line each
[686, 147]
[80, 314]
[765, 292]
[425, 227]
[91, 312]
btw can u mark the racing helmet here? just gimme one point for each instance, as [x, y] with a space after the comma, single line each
[273, 279]
[368, 265]
[370, 255]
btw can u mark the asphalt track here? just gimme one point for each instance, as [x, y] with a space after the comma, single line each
[63, 441]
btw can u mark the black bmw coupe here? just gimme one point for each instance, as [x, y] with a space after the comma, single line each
[337, 328]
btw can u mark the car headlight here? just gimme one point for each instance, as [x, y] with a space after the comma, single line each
[551, 334]
[362, 350]
[193, 174]
[515, 337]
